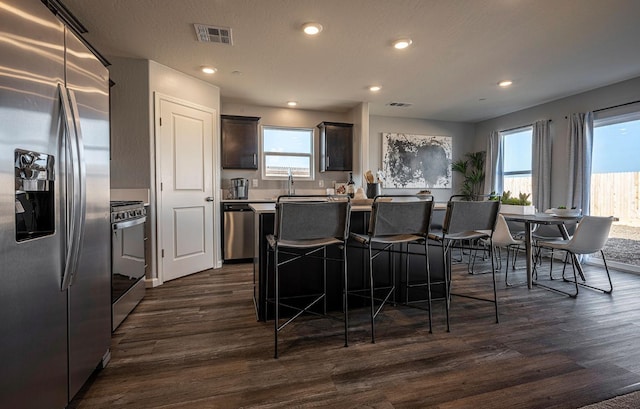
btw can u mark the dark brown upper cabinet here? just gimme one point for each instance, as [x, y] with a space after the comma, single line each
[239, 141]
[336, 146]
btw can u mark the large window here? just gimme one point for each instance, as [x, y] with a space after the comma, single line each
[615, 184]
[285, 149]
[517, 161]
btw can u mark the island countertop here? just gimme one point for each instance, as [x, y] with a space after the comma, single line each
[271, 208]
[260, 208]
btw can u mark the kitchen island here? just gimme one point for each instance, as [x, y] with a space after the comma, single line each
[297, 281]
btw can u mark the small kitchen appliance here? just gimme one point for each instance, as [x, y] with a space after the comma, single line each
[239, 188]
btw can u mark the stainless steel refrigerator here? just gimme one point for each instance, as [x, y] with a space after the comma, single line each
[55, 322]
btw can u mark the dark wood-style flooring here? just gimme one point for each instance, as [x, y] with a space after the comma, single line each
[195, 343]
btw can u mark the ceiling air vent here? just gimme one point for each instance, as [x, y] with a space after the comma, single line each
[213, 34]
[399, 104]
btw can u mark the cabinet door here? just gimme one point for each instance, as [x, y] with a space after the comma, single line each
[336, 146]
[239, 142]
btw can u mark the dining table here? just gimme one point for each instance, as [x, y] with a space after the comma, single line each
[530, 221]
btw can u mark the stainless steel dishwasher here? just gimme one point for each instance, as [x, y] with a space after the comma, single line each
[238, 231]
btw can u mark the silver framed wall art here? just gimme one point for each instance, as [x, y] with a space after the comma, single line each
[416, 161]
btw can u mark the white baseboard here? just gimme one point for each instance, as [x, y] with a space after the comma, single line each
[152, 282]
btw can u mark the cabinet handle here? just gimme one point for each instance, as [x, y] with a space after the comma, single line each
[209, 199]
[255, 159]
[327, 161]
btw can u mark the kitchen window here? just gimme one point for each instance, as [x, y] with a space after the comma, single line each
[517, 161]
[287, 149]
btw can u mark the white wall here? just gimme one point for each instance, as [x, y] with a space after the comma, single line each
[462, 134]
[133, 130]
[557, 111]
[130, 111]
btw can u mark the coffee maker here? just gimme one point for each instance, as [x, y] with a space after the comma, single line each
[239, 188]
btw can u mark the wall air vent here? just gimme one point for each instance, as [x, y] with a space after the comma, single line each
[213, 34]
[399, 104]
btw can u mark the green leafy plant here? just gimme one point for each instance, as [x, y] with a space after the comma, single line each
[472, 169]
[521, 200]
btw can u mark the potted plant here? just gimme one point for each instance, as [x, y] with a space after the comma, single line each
[516, 205]
[472, 169]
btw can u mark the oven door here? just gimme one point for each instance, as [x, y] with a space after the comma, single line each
[127, 249]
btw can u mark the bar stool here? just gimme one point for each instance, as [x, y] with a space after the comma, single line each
[305, 226]
[467, 221]
[395, 220]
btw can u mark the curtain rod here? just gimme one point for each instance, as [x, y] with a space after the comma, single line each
[519, 127]
[612, 107]
[616, 106]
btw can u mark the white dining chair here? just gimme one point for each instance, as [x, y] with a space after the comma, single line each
[502, 238]
[590, 236]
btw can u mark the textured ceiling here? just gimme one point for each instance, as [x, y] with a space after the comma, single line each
[461, 49]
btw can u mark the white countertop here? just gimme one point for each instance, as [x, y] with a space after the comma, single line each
[271, 207]
[248, 200]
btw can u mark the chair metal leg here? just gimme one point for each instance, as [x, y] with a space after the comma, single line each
[324, 279]
[406, 277]
[493, 278]
[513, 266]
[373, 325]
[276, 319]
[266, 286]
[428, 272]
[606, 268]
[446, 261]
[575, 281]
[345, 299]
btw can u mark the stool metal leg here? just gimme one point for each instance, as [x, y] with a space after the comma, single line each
[373, 325]
[277, 302]
[345, 290]
[446, 260]
[428, 272]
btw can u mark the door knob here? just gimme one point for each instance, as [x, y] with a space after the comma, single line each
[209, 199]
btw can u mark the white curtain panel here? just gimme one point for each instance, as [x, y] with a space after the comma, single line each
[541, 165]
[580, 142]
[494, 164]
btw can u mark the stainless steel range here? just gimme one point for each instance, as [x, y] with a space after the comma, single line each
[127, 257]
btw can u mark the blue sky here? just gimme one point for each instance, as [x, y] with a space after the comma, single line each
[616, 148]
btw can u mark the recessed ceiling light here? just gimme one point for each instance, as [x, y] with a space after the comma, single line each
[375, 88]
[505, 83]
[292, 103]
[402, 43]
[209, 70]
[311, 28]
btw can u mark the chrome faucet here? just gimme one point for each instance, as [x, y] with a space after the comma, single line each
[290, 190]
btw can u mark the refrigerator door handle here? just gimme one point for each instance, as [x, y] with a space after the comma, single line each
[81, 196]
[69, 170]
[72, 173]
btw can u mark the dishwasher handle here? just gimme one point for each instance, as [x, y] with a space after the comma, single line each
[236, 207]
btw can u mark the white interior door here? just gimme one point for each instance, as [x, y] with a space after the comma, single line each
[186, 189]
